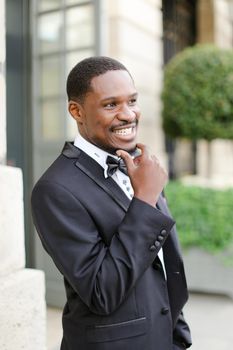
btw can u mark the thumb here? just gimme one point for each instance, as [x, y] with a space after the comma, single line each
[127, 159]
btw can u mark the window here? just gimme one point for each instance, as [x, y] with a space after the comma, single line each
[64, 33]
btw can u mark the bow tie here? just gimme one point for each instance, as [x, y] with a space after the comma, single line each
[114, 165]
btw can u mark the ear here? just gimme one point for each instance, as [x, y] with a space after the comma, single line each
[76, 111]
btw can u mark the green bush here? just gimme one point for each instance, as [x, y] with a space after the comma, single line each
[198, 94]
[203, 216]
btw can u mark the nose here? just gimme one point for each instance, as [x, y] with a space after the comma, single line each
[127, 114]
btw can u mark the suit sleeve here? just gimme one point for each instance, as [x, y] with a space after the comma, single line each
[102, 276]
[181, 333]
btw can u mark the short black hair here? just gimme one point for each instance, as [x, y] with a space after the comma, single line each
[79, 79]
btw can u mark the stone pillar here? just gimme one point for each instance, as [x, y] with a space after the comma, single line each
[215, 25]
[205, 21]
[2, 85]
[223, 23]
[22, 299]
[134, 36]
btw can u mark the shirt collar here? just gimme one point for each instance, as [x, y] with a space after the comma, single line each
[94, 152]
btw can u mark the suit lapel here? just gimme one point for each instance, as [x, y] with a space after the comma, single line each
[94, 171]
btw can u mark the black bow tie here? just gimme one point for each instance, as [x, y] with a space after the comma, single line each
[115, 164]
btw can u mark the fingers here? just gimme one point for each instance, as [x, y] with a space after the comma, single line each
[143, 149]
[127, 159]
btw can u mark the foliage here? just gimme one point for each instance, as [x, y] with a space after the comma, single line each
[203, 216]
[198, 94]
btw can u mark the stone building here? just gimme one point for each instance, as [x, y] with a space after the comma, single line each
[22, 290]
[215, 25]
[43, 40]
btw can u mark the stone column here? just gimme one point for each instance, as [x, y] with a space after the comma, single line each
[215, 25]
[2, 85]
[22, 299]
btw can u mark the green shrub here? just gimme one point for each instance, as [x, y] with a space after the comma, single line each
[203, 216]
[198, 94]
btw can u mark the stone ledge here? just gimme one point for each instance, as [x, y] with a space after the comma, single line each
[23, 311]
[11, 220]
[209, 273]
[215, 182]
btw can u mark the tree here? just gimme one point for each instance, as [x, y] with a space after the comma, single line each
[198, 94]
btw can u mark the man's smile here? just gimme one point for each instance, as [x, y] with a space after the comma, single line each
[126, 131]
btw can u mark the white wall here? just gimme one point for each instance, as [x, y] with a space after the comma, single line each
[22, 292]
[216, 26]
[2, 84]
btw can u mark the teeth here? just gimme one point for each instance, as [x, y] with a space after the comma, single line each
[126, 131]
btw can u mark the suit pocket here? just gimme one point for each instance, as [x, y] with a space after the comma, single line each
[115, 331]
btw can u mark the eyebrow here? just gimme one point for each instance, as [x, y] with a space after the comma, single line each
[135, 94]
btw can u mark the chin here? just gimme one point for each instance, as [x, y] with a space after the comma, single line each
[128, 148]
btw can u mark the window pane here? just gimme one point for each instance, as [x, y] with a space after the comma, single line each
[50, 73]
[52, 120]
[50, 32]
[74, 57]
[44, 5]
[80, 27]
[71, 128]
[73, 2]
[71, 60]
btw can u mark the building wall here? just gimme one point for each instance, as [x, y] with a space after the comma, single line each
[223, 23]
[2, 84]
[205, 21]
[134, 36]
[22, 301]
[215, 22]
[215, 25]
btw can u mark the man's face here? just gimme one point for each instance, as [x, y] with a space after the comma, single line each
[109, 114]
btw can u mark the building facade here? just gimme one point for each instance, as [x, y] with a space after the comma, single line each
[44, 39]
[22, 290]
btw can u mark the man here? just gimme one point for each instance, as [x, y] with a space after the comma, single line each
[109, 232]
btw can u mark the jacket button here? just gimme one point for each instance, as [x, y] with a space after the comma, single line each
[164, 311]
[163, 232]
[152, 248]
[160, 238]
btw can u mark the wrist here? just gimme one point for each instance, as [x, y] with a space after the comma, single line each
[151, 200]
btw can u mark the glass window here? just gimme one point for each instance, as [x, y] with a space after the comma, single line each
[52, 120]
[45, 5]
[50, 75]
[74, 2]
[50, 32]
[80, 29]
[65, 33]
[74, 57]
[65, 36]
[71, 128]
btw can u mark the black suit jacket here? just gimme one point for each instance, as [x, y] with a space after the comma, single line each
[106, 247]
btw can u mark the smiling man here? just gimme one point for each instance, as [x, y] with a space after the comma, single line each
[100, 215]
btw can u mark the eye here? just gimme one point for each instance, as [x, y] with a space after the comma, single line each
[133, 102]
[110, 105]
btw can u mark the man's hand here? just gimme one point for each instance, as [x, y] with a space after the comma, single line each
[147, 176]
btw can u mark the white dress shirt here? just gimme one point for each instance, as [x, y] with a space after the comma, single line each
[121, 179]
[100, 157]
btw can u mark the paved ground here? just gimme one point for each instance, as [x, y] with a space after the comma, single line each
[210, 318]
